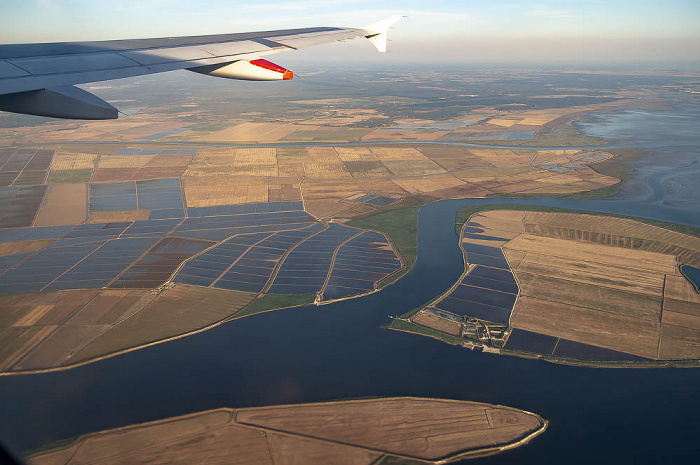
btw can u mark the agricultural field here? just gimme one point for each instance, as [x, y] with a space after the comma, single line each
[361, 432]
[261, 203]
[75, 293]
[571, 288]
[334, 182]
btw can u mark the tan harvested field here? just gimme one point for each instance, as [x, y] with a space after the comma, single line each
[40, 331]
[41, 308]
[678, 288]
[315, 189]
[600, 328]
[158, 172]
[168, 161]
[504, 157]
[174, 311]
[433, 320]
[549, 156]
[333, 198]
[239, 162]
[347, 154]
[17, 247]
[537, 120]
[444, 428]
[67, 161]
[250, 132]
[617, 232]
[601, 254]
[205, 191]
[563, 290]
[683, 320]
[613, 276]
[604, 281]
[679, 306]
[381, 187]
[324, 162]
[504, 123]
[123, 161]
[291, 160]
[112, 306]
[283, 190]
[19, 341]
[118, 216]
[678, 343]
[63, 204]
[115, 174]
[406, 161]
[488, 174]
[362, 163]
[384, 135]
[453, 158]
[507, 223]
[360, 432]
[425, 184]
[28, 319]
[58, 347]
[329, 208]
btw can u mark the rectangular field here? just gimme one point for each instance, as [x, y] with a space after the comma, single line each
[432, 320]
[204, 191]
[589, 326]
[65, 204]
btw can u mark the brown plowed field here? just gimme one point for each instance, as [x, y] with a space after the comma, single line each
[64, 204]
[432, 320]
[351, 433]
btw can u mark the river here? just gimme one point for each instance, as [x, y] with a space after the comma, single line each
[339, 351]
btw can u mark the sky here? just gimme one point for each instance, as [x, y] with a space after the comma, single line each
[533, 31]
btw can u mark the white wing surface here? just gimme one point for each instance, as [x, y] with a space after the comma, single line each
[39, 79]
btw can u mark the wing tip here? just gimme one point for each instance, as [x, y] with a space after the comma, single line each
[378, 32]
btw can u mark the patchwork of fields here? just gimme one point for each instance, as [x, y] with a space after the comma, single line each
[573, 287]
[125, 184]
[77, 292]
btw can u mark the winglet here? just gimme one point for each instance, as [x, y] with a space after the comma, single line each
[377, 32]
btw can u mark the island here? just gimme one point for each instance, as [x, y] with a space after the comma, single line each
[574, 288]
[402, 430]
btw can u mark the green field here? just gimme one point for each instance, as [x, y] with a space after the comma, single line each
[70, 176]
[401, 225]
[271, 302]
[401, 325]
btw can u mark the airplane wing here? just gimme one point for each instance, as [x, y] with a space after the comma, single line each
[39, 79]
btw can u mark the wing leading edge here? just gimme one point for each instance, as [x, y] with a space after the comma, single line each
[39, 79]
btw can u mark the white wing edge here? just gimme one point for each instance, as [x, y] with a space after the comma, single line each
[378, 32]
[54, 94]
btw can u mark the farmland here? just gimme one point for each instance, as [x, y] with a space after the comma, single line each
[310, 200]
[81, 292]
[571, 288]
[329, 179]
[361, 432]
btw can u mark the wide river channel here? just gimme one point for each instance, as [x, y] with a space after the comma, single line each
[339, 351]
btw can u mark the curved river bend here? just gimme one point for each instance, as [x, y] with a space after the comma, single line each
[339, 351]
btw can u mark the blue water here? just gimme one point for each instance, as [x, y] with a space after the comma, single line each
[339, 351]
[621, 416]
[693, 275]
[166, 133]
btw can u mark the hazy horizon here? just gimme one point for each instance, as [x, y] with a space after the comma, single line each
[573, 31]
